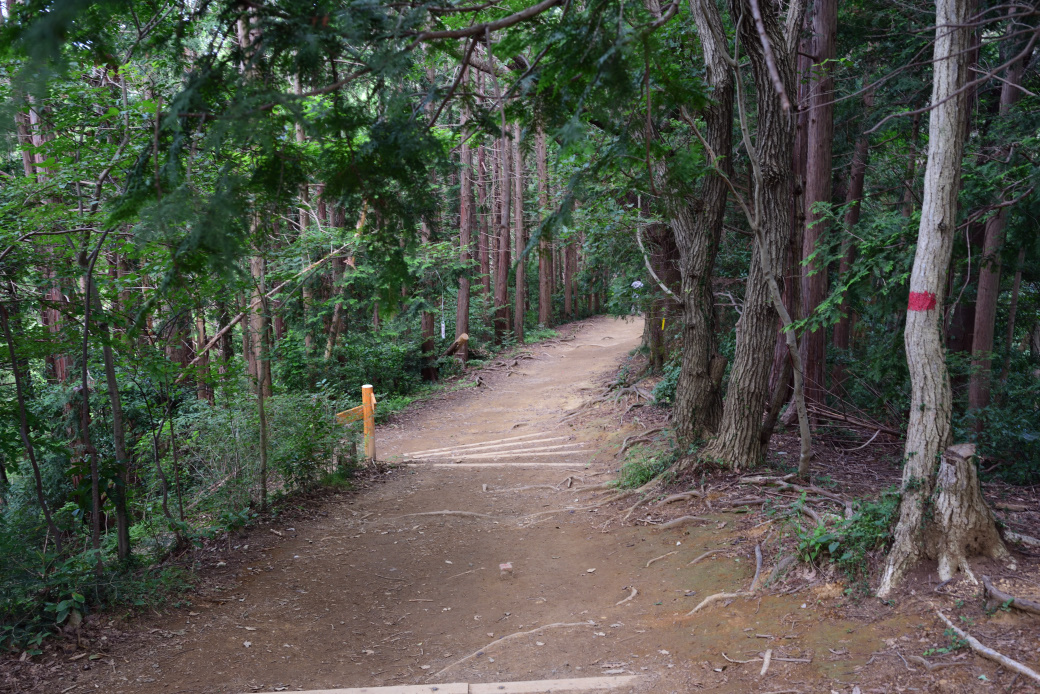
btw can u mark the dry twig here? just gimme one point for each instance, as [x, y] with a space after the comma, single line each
[630, 597]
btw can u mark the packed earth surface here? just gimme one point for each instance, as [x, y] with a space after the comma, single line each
[487, 550]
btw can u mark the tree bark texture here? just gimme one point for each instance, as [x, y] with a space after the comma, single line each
[502, 260]
[918, 535]
[818, 176]
[697, 226]
[545, 256]
[520, 238]
[466, 226]
[484, 213]
[737, 443]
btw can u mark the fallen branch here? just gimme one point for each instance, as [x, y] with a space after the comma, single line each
[989, 653]
[474, 654]
[679, 522]
[996, 598]
[705, 556]
[630, 597]
[660, 558]
[869, 441]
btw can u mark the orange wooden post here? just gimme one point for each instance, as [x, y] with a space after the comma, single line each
[368, 405]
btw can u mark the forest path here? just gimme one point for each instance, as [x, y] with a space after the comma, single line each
[366, 593]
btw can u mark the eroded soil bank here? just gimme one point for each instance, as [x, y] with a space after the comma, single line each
[376, 587]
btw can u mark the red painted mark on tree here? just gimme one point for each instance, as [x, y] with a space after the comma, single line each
[921, 301]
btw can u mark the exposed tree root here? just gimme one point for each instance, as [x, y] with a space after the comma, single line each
[474, 654]
[655, 482]
[596, 487]
[679, 522]
[782, 483]
[758, 568]
[631, 595]
[524, 489]
[989, 653]
[996, 598]
[780, 567]
[663, 556]
[569, 481]
[606, 500]
[678, 497]
[642, 437]
[732, 596]
[932, 667]
[1026, 540]
[706, 555]
[469, 514]
[715, 598]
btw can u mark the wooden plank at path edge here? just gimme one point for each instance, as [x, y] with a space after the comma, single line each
[580, 684]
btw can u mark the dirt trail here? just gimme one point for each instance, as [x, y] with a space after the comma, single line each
[368, 593]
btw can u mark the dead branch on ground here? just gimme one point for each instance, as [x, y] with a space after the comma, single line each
[996, 598]
[989, 653]
[630, 596]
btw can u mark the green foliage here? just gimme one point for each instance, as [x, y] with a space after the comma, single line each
[664, 391]
[643, 468]
[849, 542]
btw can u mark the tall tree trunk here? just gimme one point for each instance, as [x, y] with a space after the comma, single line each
[262, 393]
[1012, 311]
[570, 260]
[484, 205]
[737, 443]
[204, 390]
[257, 323]
[818, 190]
[927, 528]
[466, 226]
[520, 238]
[545, 256]
[427, 324]
[502, 260]
[907, 209]
[697, 226]
[854, 201]
[23, 426]
[122, 462]
[989, 272]
[792, 278]
[307, 292]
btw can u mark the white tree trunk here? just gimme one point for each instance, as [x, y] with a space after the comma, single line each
[926, 530]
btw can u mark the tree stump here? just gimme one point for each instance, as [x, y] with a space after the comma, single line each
[962, 524]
